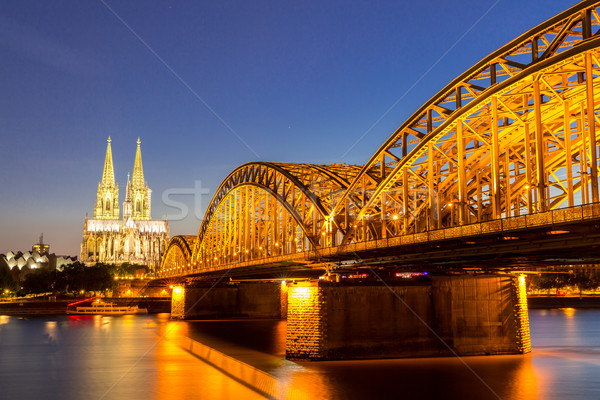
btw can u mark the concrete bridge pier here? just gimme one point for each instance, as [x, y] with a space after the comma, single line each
[200, 300]
[450, 315]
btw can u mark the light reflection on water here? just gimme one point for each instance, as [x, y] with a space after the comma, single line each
[83, 357]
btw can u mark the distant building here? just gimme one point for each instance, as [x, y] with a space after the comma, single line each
[135, 238]
[20, 264]
[40, 247]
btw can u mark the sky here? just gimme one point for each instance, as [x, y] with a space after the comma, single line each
[210, 85]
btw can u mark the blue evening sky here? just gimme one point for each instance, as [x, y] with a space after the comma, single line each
[297, 81]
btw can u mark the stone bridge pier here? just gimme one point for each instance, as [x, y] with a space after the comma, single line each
[446, 316]
[450, 315]
[229, 300]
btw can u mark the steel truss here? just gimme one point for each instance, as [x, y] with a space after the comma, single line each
[514, 135]
[264, 210]
[178, 254]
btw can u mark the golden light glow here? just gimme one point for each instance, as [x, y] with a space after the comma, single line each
[569, 312]
[302, 295]
[178, 302]
[177, 290]
[523, 315]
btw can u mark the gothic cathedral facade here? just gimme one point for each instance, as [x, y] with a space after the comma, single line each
[136, 238]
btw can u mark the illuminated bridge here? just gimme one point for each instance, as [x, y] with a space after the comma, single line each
[497, 171]
[499, 168]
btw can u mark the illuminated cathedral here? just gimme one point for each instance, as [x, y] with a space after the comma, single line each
[136, 238]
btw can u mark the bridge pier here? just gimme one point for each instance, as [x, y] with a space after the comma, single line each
[228, 300]
[451, 315]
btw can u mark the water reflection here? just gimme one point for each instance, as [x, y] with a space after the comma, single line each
[569, 312]
[182, 376]
[74, 357]
[507, 377]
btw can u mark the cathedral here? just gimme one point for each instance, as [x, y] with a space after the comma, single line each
[136, 238]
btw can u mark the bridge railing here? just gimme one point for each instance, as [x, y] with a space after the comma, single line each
[503, 225]
[556, 218]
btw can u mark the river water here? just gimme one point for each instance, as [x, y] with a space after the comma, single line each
[140, 357]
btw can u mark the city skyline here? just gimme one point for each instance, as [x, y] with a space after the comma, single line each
[285, 83]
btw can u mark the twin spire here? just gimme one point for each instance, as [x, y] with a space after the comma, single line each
[108, 175]
[137, 179]
[137, 196]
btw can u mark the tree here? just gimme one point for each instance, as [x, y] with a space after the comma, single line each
[7, 281]
[38, 281]
[584, 281]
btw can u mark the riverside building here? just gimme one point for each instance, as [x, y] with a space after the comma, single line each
[135, 238]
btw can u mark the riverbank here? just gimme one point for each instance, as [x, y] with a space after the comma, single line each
[549, 302]
[59, 307]
[163, 305]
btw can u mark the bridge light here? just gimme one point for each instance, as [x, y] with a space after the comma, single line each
[526, 186]
[177, 290]
[395, 217]
[449, 204]
[276, 244]
[323, 233]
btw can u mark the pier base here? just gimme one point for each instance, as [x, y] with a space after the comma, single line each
[231, 300]
[450, 315]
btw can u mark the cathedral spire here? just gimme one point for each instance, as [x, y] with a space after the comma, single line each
[127, 205]
[107, 201]
[108, 175]
[127, 194]
[137, 179]
[138, 190]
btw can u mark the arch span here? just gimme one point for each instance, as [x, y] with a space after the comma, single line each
[492, 143]
[265, 209]
[178, 254]
[516, 134]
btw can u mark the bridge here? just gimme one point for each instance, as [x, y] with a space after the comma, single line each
[498, 169]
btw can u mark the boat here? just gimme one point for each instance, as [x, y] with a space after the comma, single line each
[99, 307]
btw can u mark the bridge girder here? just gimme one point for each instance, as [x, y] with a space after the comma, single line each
[426, 176]
[514, 135]
[265, 209]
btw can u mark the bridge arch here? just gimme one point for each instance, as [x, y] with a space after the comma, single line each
[264, 209]
[177, 257]
[516, 134]
[536, 84]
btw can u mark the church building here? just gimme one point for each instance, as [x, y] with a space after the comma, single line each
[136, 238]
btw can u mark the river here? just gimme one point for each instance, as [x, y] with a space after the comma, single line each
[141, 357]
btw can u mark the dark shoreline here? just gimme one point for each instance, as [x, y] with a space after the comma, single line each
[59, 307]
[162, 305]
[550, 302]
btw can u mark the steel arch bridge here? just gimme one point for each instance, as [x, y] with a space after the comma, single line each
[510, 144]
